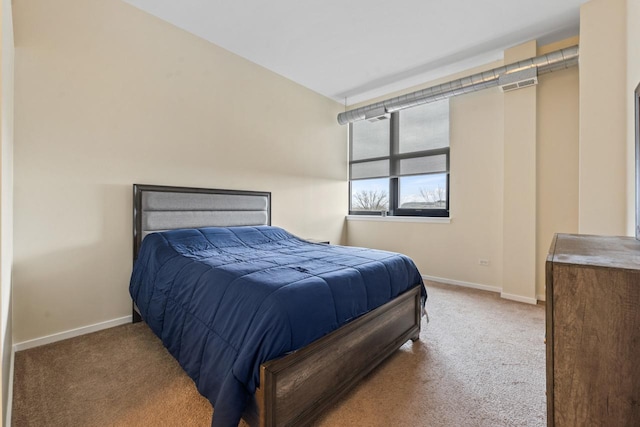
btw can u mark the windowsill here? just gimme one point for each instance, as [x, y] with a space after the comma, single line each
[376, 218]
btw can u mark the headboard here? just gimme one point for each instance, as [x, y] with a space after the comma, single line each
[159, 208]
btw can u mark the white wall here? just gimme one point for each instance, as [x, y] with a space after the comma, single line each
[108, 96]
[6, 198]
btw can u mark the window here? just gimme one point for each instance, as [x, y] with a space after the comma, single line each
[401, 165]
[370, 195]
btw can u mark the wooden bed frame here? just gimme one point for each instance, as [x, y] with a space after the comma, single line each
[297, 388]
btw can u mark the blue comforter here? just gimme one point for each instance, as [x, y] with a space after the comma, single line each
[225, 300]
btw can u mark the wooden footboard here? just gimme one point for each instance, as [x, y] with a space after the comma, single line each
[297, 388]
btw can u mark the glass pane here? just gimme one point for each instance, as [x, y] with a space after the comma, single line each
[376, 169]
[423, 191]
[370, 195]
[423, 165]
[425, 127]
[370, 139]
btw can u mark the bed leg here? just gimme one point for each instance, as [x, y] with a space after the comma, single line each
[415, 337]
[135, 316]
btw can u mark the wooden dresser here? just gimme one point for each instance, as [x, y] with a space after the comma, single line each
[593, 331]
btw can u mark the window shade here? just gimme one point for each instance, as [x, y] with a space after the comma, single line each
[370, 140]
[425, 127]
[376, 169]
[414, 142]
[423, 165]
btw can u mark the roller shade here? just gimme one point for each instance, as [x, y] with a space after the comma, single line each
[414, 142]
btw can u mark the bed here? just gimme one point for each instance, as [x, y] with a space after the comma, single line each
[283, 368]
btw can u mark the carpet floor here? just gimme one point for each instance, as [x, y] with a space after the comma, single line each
[479, 362]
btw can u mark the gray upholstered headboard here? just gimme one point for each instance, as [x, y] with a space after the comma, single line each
[158, 208]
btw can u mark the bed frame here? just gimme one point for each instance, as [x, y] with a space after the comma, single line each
[297, 388]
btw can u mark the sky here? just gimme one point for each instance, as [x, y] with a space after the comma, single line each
[410, 186]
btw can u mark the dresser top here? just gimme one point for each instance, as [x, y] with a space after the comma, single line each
[596, 251]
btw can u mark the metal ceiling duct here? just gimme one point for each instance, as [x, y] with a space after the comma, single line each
[553, 61]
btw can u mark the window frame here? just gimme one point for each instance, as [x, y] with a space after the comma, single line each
[394, 158]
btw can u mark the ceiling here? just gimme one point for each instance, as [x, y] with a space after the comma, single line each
[354, 50]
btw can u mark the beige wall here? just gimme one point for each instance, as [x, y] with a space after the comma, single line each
[584, 174]
[633, 79]
[603, 118]
[452, 251]
[557, 163]
[108, 96]
[6, 197]
[519, 196]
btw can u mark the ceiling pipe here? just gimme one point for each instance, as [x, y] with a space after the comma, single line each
[553, 61]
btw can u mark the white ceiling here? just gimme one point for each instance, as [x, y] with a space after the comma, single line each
[354, 50]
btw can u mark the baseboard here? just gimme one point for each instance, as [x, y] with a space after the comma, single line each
[7, 417]
[36, 342]
[485, 288]
[519, 298]
[462, 283]
[541, 297]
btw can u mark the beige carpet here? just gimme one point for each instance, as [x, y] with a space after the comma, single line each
[479, 362]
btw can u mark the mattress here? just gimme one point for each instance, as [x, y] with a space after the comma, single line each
[225, 300]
